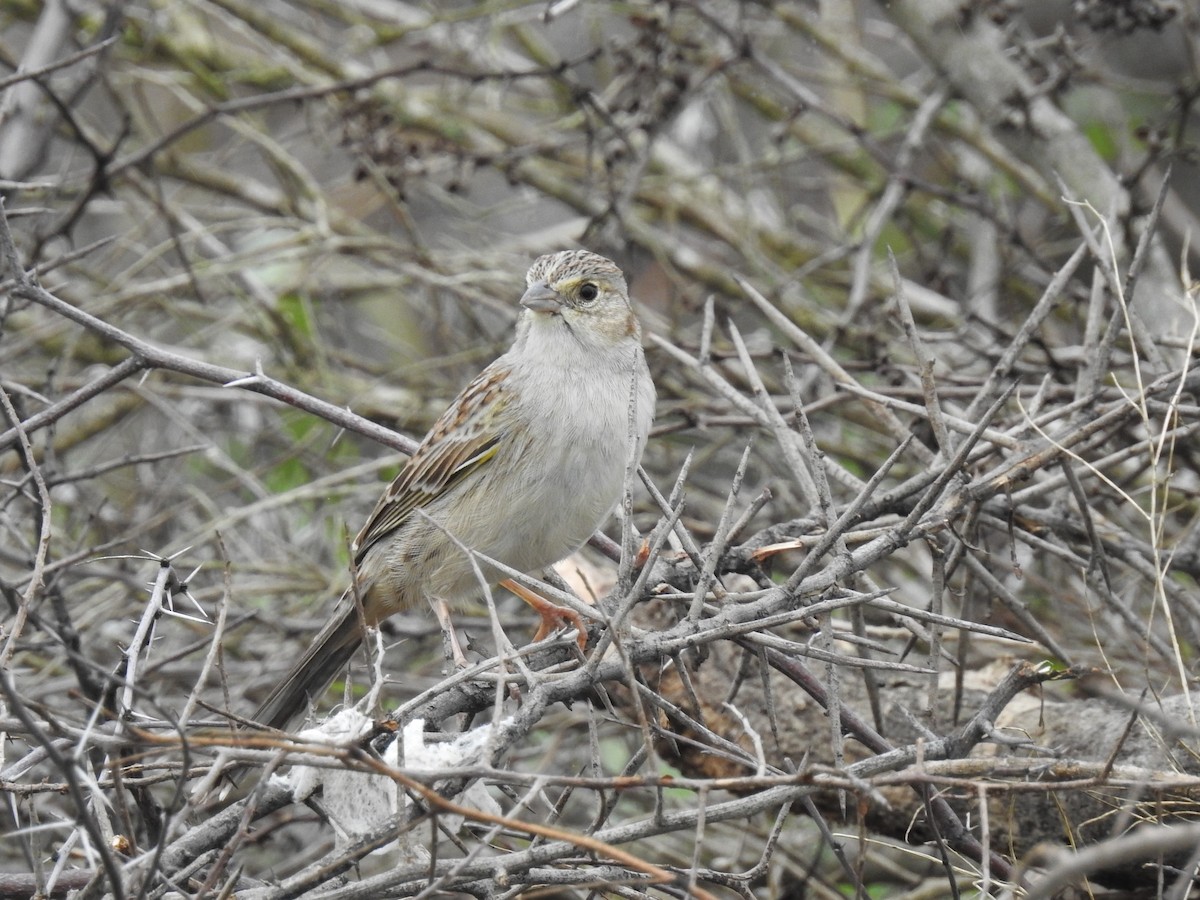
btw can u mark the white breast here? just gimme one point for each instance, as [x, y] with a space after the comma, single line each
[576, 406]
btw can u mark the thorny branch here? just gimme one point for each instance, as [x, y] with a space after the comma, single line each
[900, 434]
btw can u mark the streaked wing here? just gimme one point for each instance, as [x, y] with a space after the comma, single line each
[462, 440]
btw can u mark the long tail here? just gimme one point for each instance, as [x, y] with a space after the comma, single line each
[315, 671]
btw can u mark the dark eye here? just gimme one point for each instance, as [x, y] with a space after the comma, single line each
[588, 292]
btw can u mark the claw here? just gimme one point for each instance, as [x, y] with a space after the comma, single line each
[771, 549]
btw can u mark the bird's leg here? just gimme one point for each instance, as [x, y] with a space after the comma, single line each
[553, 616]
[449, 636]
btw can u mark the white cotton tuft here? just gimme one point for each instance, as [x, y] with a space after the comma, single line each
[358, 803]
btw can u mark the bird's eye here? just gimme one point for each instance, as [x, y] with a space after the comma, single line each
[588, 292]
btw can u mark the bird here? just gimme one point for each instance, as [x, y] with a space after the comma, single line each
[525, 464]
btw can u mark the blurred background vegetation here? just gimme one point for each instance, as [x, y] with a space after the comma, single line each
[346, 196]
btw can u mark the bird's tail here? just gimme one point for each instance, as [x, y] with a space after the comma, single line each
[314, 671]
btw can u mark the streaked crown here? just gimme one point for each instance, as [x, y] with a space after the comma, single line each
[556, 269]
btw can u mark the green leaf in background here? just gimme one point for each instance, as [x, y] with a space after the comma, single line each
[1100, 135]
[287, 475]
[295, 311]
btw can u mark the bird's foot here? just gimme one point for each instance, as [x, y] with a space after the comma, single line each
[552, 615]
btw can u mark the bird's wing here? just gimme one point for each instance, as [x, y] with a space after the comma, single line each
[463, 439]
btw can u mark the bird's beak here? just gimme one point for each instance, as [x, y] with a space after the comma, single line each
[540, 298]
